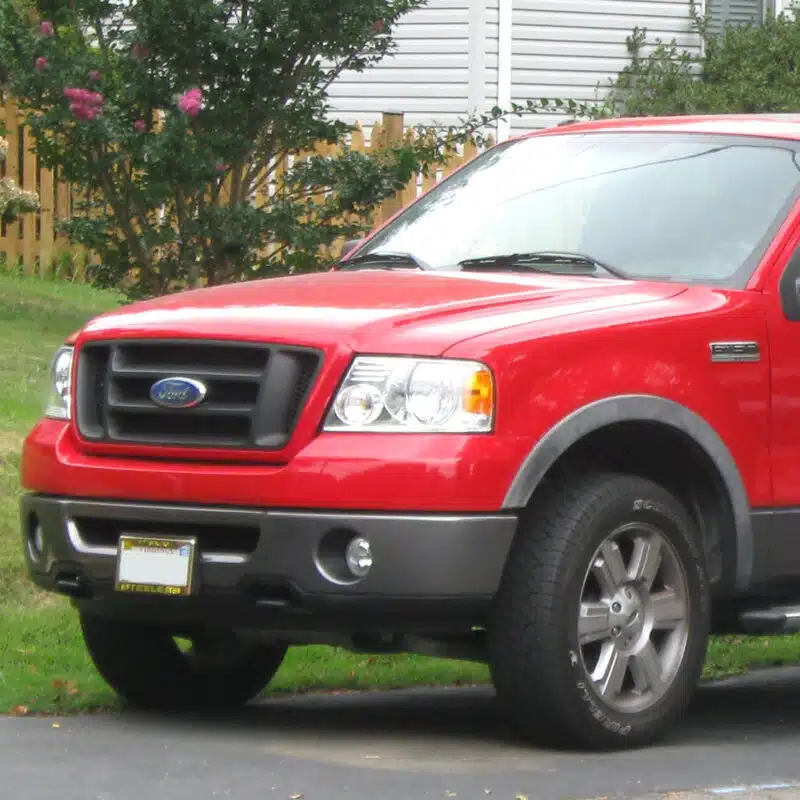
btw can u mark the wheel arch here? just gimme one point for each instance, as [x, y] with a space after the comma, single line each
[681, 433]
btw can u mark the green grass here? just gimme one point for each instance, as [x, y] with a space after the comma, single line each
[43, 666]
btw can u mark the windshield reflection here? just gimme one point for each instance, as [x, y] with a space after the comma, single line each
[680, 206]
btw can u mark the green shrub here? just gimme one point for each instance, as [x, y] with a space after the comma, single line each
[170, 115]
[743, 69]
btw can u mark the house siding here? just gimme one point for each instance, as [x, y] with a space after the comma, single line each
[450, 57]
[492, 42]
[427, 76]
[571, 49]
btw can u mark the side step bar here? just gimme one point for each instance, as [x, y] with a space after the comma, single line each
[777, 619]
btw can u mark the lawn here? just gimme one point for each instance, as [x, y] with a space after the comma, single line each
[44, 667]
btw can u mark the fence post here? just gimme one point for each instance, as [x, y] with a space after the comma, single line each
[393, 127]
[29, 184]
[47, 220]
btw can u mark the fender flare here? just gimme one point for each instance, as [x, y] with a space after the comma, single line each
[641, 408]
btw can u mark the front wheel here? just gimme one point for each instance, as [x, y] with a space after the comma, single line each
[144, 664]
[602, 619]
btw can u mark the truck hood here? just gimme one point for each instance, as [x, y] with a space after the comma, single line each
[374, 310]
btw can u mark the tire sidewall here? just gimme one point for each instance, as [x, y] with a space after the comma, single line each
[645, 504]
[142, 664]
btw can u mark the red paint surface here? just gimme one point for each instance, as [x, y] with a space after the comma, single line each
[554, 343]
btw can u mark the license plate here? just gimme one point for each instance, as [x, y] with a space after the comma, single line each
[155, 565]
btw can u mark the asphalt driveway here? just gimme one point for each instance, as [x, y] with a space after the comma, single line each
[742, 734]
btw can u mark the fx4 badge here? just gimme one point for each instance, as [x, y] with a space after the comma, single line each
[735, 351]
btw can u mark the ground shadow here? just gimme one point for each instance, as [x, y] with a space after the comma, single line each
[764, 705]
[764, 702]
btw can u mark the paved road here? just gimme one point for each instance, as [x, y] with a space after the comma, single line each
[403, 746]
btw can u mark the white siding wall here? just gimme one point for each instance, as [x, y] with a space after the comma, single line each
[565, 48]
[427, 76]
[492, 34]
[447, 65]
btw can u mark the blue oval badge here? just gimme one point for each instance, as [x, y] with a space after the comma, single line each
[178, 392]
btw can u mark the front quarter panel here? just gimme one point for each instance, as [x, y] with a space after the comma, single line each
[659, 349]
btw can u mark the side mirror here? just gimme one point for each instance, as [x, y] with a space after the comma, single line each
[349, 246]
[789, 288]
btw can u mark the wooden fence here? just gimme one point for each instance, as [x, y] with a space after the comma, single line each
[34, 244]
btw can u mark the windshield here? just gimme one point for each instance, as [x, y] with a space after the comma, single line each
[683, 207]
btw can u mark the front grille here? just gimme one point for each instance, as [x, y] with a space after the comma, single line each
[255, 393]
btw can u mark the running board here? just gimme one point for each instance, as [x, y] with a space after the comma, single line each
[777, 619]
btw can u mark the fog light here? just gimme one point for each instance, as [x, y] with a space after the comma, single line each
[359, 557]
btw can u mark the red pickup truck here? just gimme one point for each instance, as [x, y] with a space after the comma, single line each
[547, 418]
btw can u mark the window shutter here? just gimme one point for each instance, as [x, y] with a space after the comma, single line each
[736, 12]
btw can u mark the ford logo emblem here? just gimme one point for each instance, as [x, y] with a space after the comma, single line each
[178, 392]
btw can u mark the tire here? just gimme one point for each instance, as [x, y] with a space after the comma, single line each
[143, 664]
[647, 648]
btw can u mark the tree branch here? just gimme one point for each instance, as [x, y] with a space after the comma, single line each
[123, 220]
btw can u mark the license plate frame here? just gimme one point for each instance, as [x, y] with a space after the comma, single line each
[175, 578]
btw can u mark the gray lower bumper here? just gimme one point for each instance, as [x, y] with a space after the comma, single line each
[273, 559]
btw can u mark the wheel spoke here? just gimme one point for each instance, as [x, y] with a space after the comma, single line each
[633, 621]
[594, 623]
[646, 670]
[609, 568]
[646, 560]
[669, 610]
[609, 674]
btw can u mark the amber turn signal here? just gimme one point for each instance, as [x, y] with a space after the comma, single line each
[479, 393]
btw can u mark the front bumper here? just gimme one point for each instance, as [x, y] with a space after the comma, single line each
[397, 473]
[267, 569]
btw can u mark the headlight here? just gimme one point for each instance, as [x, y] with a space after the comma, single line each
[58, 404]
[414, 394]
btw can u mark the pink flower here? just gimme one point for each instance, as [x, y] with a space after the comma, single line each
[84, 112]
[379, 27]
[46, 27]
[140, 126]
[41, 63]
[220, 167]
[191, 103]
[140, 52]
[94, 74]
[85, 104]
[84, 96]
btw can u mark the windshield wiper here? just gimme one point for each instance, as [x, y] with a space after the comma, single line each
[540, 259]
[384, 259]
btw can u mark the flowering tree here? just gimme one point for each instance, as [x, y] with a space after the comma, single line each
[174, 114]
[13, 200]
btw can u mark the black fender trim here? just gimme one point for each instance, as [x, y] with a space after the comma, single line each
[644, 408]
